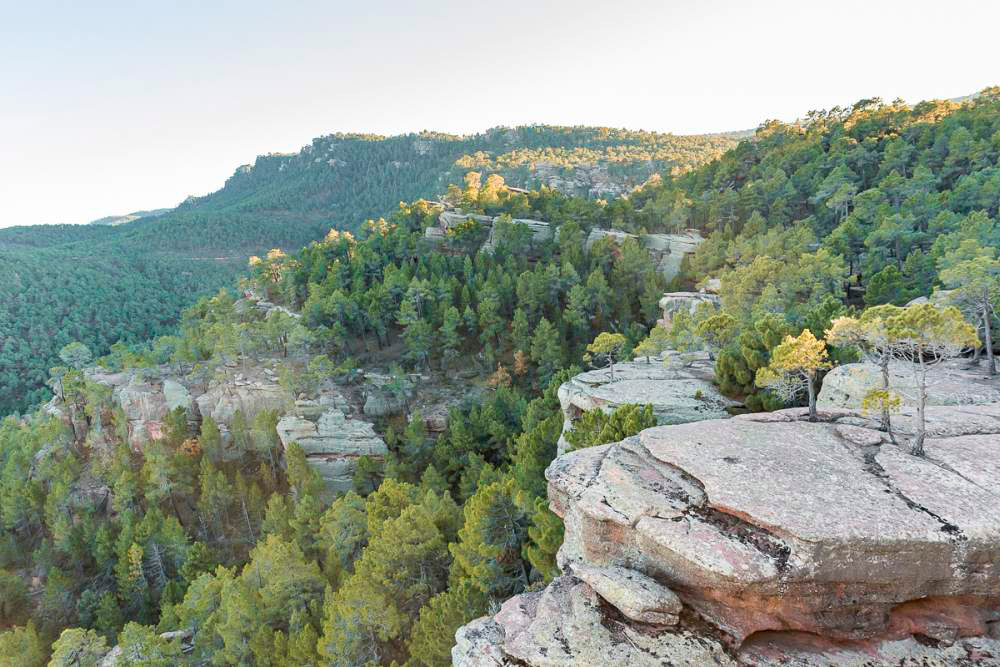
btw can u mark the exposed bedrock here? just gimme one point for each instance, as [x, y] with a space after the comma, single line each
[683, 392]
[666, 250]
[954, 382]
[786, 542]
[331, 440]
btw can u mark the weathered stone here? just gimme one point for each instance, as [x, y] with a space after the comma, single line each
[940, 297]
[711, 286]
[666, 250]
[954, 382]
[451, 219]
[804, 650]
[223, 400]
[540, 232]
[682, 393]
[787, 542]
[632, 593]
[177, 396]
[332, 444]
[566, 625]
[764, 524]
[672, 303]
[669, 250]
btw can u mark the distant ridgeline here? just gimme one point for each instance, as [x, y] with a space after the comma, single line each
[126, 278]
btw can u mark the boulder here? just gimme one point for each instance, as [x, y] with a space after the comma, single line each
[940, 297]
[679, 394]
[633, 594]
[954, 382]
[672, 303]
[332, 443]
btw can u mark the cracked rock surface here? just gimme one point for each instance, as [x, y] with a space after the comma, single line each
[789, 542]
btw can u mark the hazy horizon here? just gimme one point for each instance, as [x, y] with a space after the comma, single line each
[118, 108]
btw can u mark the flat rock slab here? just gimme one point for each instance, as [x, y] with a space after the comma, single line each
[767, 522]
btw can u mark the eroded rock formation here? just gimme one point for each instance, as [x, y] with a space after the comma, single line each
[787, 542]
[331, 440]
[672, 303]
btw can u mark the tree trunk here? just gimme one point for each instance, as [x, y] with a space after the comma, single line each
[989, 339]
[810, 380]
[921, 427]
[886, 421]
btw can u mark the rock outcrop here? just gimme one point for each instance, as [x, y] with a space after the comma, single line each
[146, 395]
[448, 220]
[672, 303]
[540, 232]
[223, 399]
[331, 440]
[787, 542]
[679, 394]
[666, 250]
[954, 382]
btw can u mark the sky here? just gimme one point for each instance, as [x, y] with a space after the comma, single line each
[110, 107]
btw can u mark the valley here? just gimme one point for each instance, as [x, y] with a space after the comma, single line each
[717, 402]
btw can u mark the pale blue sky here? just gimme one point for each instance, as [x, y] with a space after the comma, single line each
[107, 107]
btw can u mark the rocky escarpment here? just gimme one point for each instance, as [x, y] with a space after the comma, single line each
[448, 221]
[666, 250]
[679, 393]
[146, 395]
[785, 541]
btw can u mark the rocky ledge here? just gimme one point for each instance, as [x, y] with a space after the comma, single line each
[954, 382]
[786, 542]
[683, 392]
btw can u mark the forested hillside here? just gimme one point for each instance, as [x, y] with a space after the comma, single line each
[222, 537]
[104, 283]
